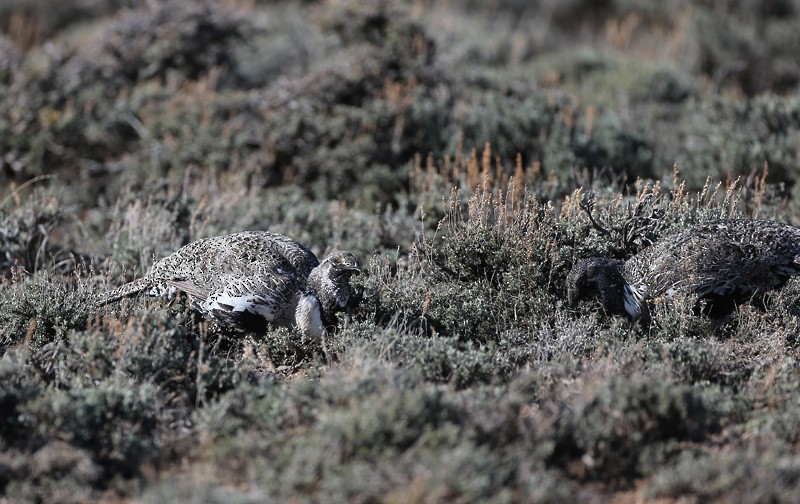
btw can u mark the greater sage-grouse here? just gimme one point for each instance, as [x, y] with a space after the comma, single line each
[243, 280]
[722, 264]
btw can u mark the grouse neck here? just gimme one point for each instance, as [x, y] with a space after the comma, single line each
[308, 316]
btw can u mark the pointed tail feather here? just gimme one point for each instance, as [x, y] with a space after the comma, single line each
[129, 289]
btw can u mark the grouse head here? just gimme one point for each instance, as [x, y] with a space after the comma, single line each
[330, 282]
[600, 279]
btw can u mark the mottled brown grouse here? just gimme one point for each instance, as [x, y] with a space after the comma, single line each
[722, 264]
[243, 280]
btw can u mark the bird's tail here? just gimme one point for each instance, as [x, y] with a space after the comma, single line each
[129, 289]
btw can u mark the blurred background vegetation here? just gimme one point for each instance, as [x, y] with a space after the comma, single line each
[450, 145]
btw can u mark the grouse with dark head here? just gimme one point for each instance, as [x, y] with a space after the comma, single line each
[721, 263]
[243, 280]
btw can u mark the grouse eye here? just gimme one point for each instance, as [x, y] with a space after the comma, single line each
[347, 262]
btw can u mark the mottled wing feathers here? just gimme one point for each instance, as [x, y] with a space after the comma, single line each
[190, 288]
[269, 296]
[205, 258]
[207, 262]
